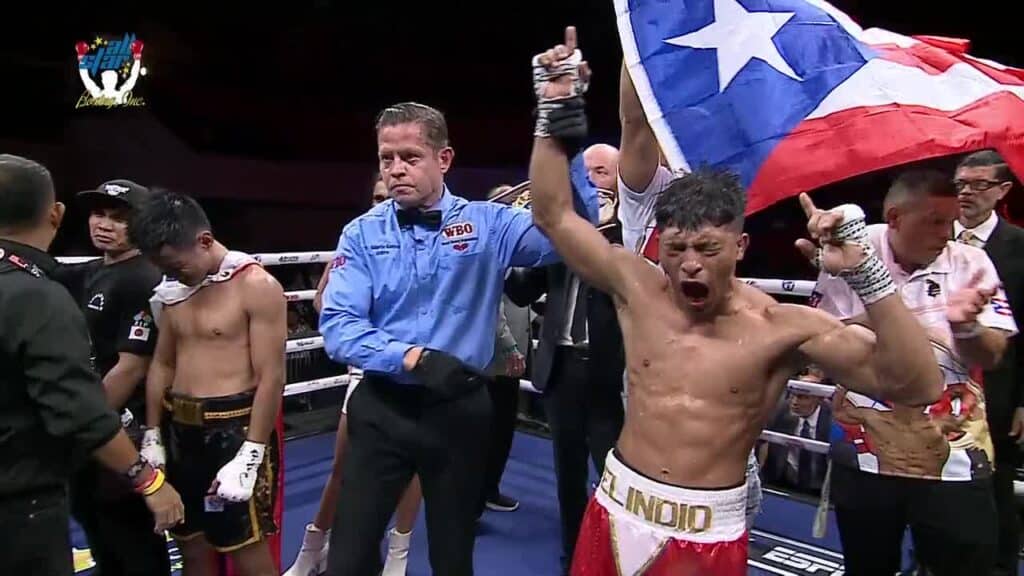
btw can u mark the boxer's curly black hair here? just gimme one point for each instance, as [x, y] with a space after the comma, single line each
[166, 218]
[704, 197]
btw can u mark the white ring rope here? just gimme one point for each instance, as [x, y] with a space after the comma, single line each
[769, 285]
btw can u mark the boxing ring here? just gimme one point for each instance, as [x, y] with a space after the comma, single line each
[781, 542]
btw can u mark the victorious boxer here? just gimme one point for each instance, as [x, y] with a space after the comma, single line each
[707, 355]
[218, 373]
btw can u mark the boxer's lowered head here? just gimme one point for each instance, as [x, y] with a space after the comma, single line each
[172, 230]
[699, 217]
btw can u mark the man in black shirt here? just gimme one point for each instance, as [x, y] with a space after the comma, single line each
[51, 404]
[113, 292]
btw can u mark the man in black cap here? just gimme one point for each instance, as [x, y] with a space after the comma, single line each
[113, 292]
[52, 406]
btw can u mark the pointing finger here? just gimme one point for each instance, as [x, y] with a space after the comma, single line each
[570, 38]
[807, 205]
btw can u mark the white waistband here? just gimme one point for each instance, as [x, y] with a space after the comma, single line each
[682, 513]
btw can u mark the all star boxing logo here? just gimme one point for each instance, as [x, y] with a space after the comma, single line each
[118, 63]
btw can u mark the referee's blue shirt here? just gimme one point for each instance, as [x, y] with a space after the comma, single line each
[392, 288]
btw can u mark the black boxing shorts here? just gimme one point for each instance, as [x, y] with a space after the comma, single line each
[201, 435]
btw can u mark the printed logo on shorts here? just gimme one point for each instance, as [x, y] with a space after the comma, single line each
[109, 69]
[459, 235]
[142, 324]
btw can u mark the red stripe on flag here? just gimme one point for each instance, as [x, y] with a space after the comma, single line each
[861, 140]
[934, 57]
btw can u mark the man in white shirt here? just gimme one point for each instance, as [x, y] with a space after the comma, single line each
[982, 180]
[926, 467]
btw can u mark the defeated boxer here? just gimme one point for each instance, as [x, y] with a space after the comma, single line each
[707, 355]
[214, 386]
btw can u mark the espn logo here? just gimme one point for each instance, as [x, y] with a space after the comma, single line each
[802, 562]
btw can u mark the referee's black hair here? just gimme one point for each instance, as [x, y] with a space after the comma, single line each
[167, 219]
[26, 192]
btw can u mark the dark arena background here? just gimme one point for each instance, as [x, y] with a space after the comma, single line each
[265, 114]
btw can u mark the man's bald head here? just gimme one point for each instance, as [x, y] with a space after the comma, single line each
[602, 162]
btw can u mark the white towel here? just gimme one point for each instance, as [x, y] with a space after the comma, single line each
[170, 292]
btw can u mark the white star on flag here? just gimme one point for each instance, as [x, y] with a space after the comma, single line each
[739, 36]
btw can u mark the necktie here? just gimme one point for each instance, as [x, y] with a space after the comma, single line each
[804, 467]
[970, 238]
[430, 220]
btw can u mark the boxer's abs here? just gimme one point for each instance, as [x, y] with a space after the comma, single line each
[697, 403]
[212, 346]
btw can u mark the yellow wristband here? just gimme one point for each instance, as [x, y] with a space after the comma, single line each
[155, 485]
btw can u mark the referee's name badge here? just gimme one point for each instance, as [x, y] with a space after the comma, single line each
[459, 235]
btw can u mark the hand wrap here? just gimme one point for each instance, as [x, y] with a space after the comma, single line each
[564, 117]
[869, 279]
[237, 478]
[152, 448]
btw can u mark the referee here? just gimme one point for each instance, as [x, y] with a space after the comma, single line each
[113, 293]
[52, 406]
[412, 299]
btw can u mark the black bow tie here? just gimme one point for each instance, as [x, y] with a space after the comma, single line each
[409, 217]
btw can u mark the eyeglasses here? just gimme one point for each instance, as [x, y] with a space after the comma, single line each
[976, 185]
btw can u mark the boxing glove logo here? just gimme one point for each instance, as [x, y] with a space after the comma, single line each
[117, 64]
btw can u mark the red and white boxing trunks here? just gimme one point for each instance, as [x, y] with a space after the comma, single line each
[635, 525]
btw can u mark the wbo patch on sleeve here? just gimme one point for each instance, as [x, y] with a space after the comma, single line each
[338, 261]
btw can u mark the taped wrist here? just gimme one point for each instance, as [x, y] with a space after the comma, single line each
[870, 279]
[563, 120]
[852, 228]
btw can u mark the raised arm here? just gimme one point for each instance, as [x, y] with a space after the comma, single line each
[582, 247]
[349, 335]
[902, 361]
[639, 154]
[560, 79]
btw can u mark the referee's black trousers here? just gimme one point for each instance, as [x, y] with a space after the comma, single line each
[395, 431]
[35, 535]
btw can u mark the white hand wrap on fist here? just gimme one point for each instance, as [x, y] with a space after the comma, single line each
[869, 279]
[236, 479]
[754, 494]
[567, 67]
[152, 448]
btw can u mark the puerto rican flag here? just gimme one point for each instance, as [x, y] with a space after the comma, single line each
[793, 95]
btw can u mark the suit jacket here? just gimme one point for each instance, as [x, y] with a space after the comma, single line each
[607, 355]
[1005, 247]
[775, 464]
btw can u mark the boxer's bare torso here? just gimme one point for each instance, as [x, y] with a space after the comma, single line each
[700, 393]
[211, 337]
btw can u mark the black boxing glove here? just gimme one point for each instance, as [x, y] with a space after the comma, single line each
[565, 121]
[444, 374]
